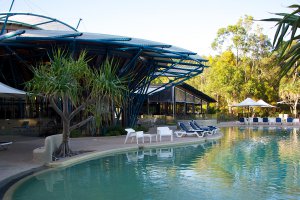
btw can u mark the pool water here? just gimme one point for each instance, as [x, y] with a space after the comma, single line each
[249, 163]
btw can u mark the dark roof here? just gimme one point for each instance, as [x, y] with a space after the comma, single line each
[197, 92]
[144, 59]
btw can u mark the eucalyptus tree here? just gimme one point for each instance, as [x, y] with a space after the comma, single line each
[289, 91]
[73, 87]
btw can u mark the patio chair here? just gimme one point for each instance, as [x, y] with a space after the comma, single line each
[186, 131]
[296, 121]
[289, 120]
[250, 120]
[4, 145]
[133, 134]
[138, 134]
[164, 131]
[272, 120]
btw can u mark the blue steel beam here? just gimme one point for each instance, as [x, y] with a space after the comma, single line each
[4, 25]
[76, 34]
[191, 74]
[178, 63]
[11, 34]
[179, 68]
[172, 65]
[131, 62]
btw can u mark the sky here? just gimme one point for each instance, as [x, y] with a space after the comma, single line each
[190, 24]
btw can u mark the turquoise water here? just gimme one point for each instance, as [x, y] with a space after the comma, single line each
[256, 163]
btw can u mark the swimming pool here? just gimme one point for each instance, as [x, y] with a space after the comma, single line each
[249, 163]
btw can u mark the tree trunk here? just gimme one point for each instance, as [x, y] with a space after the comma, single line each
[295, 108]
[64, 149]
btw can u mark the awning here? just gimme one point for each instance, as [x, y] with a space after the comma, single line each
[7, 91]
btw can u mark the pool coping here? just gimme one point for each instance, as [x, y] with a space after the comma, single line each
[10, 184]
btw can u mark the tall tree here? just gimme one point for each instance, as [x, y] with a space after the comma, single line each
[72, 86]
[242, 66]
[289, 91]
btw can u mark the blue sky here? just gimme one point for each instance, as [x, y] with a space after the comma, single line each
[190, 24]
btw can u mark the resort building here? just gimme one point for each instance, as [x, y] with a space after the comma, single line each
[27, 39]
[178, 100]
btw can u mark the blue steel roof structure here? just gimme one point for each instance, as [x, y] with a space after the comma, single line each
[173, 62]
[34, 21]
[145, 60]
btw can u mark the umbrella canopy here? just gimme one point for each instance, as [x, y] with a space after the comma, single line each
[247, 103]
[265, 104]
[7, 91]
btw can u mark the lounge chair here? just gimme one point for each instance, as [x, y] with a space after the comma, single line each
[265, 120]
[186, 131]
[210, 129]
[242, 120]
[164, 131]
[255, 120]
[278, 120]
[4, 145]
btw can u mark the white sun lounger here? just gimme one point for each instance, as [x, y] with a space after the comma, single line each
[4, 145]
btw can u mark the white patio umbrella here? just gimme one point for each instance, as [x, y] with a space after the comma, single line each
[265, 104]
[247, 103]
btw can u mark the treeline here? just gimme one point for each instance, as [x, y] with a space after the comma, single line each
[245, 66]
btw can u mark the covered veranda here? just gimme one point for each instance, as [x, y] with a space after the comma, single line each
[179, 100]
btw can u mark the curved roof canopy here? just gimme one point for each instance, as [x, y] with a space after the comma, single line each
[169, 61]
[34, 21]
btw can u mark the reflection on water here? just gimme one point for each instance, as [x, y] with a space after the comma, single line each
[247, 163]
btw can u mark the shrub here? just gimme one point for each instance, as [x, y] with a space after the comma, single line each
[75, 133]
[115, 131]
[141, 128]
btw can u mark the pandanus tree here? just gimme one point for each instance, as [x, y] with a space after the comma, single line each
[73, 87]
[287, 38]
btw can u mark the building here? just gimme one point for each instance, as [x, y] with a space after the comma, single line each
[26, 40]
[178, 100]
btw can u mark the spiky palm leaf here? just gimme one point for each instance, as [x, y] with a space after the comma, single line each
[287, 24]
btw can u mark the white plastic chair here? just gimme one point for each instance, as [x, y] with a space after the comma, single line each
[296, 121]
[164, 131]
[133, 134]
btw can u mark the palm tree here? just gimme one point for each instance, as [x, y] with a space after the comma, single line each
[77, 87]
[287, 25]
